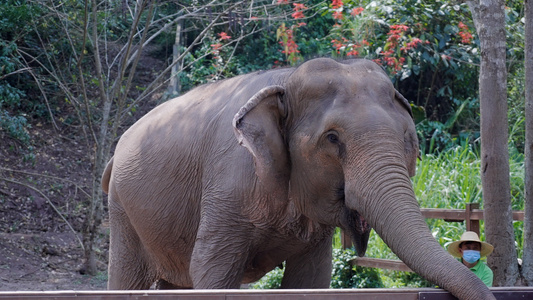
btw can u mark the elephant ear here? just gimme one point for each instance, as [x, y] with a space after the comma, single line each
[404, 102]
[257, 126]
[410, 138]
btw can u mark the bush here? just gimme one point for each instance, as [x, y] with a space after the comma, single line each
[12, 119]
[346, 275]
[272, 280]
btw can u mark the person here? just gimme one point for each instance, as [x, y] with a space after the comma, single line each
[470, 249]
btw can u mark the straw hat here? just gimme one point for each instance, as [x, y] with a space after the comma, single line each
[470, 236]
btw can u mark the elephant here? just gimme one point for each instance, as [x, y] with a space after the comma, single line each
[217, 187]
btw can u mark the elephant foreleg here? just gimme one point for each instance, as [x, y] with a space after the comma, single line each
[311, 269]
[218, 259]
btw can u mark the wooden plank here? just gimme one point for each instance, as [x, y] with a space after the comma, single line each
[518, 215]
[459, 215]
[447, 214]
[512, 293]
[435, 295]
[333, 296]
[501, 293]
[389, 264]
[315, 294]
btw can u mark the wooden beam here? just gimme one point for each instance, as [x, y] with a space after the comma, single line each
[389, 264]
[501, 293]
[459, 215]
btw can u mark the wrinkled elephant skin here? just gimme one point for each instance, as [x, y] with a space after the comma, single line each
[219, 186]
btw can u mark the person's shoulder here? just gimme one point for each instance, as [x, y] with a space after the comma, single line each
[485, 267]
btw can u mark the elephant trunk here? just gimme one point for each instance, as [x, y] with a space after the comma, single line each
[380, 189]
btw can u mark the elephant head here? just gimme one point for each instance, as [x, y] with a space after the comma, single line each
[340, 141]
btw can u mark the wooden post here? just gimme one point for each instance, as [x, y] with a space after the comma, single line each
[346, 241]
[471, 225]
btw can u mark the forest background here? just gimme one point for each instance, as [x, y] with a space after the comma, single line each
[75, 74]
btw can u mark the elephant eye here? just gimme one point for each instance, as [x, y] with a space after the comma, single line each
[333, 138]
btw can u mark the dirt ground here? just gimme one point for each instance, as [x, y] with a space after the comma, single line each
[44, 262]
[38, 250]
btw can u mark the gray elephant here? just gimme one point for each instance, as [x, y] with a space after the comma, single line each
[329, 143]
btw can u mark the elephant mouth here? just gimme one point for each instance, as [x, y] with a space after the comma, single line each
[355, 224]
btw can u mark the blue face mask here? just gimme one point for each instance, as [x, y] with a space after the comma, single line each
[471, 256]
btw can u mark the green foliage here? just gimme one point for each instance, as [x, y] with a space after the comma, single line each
[346, 275]
[452, 178]
[16, 126]
[449, 179]
[272, 280]
[16, 17]
[18, 103]
[399, 279]
[12, 119]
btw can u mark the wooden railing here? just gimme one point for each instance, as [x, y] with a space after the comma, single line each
[471, 215]
[505, 293]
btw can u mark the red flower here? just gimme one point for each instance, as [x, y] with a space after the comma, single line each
[335, 4]
[289, 44]
[224, 36]
[466, 37]
[337, 44]
[398, 29]
[337, 15]
[352, 53]
[299, 6]
[283, 2]
[389, 60]
[412, 44]
[463, 26]
[357, 11]
[392, 40]
[298, 14]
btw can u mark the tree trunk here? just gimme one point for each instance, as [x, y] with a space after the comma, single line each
[494, 138]
[527, 266]
[174, 86]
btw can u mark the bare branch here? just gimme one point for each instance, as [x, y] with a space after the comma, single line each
[47, 176]
[15, 72]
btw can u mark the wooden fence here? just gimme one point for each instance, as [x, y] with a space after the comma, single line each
[507, 293]
[471, 215]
